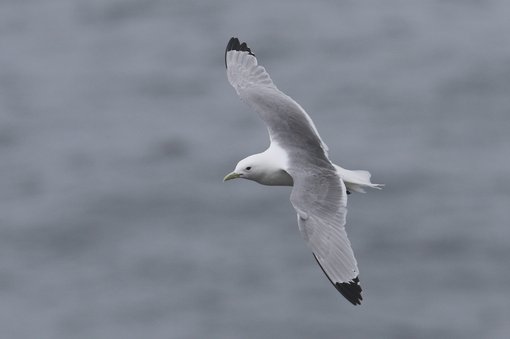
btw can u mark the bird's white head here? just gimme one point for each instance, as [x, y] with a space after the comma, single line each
[261, 168]
[251, 168]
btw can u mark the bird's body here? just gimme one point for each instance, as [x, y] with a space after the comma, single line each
[298, 157]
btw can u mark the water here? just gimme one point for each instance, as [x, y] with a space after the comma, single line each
[118, 124]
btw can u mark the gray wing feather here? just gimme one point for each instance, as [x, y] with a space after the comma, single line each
[279, 111]
[321, 201]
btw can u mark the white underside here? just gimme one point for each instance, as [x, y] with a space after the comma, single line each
[355, 180]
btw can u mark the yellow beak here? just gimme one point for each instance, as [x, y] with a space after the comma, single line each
[231, 176]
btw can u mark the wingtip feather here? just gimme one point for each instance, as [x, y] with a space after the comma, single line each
[351, 290]
[235, 45]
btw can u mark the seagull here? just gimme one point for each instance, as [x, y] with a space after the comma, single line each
[298, 157]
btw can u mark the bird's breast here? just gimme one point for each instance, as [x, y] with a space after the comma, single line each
[276, 178]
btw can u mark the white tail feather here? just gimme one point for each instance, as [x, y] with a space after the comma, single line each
[356, 180]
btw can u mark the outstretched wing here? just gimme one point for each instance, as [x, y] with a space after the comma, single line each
[280, 112]
[320, 199]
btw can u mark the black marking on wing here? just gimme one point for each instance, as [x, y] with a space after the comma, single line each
[350, 290]
[235, 45]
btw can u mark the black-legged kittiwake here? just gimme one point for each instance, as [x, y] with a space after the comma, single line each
[298, 157]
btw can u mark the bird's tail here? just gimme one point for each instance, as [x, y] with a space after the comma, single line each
[356, 180]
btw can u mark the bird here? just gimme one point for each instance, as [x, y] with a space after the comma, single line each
[298, 157]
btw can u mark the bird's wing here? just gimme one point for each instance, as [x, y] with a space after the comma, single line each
[280, 112]
[320, 199]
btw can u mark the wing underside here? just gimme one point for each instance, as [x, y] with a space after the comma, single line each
[286, 120]
[320, 201]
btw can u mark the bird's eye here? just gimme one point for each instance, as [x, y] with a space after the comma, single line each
[248, 168]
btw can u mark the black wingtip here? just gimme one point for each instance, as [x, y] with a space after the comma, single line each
[350, 290]
[235, 45]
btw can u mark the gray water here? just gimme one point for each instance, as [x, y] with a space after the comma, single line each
[117, 125]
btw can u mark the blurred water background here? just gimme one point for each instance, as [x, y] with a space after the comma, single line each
[117, 125]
